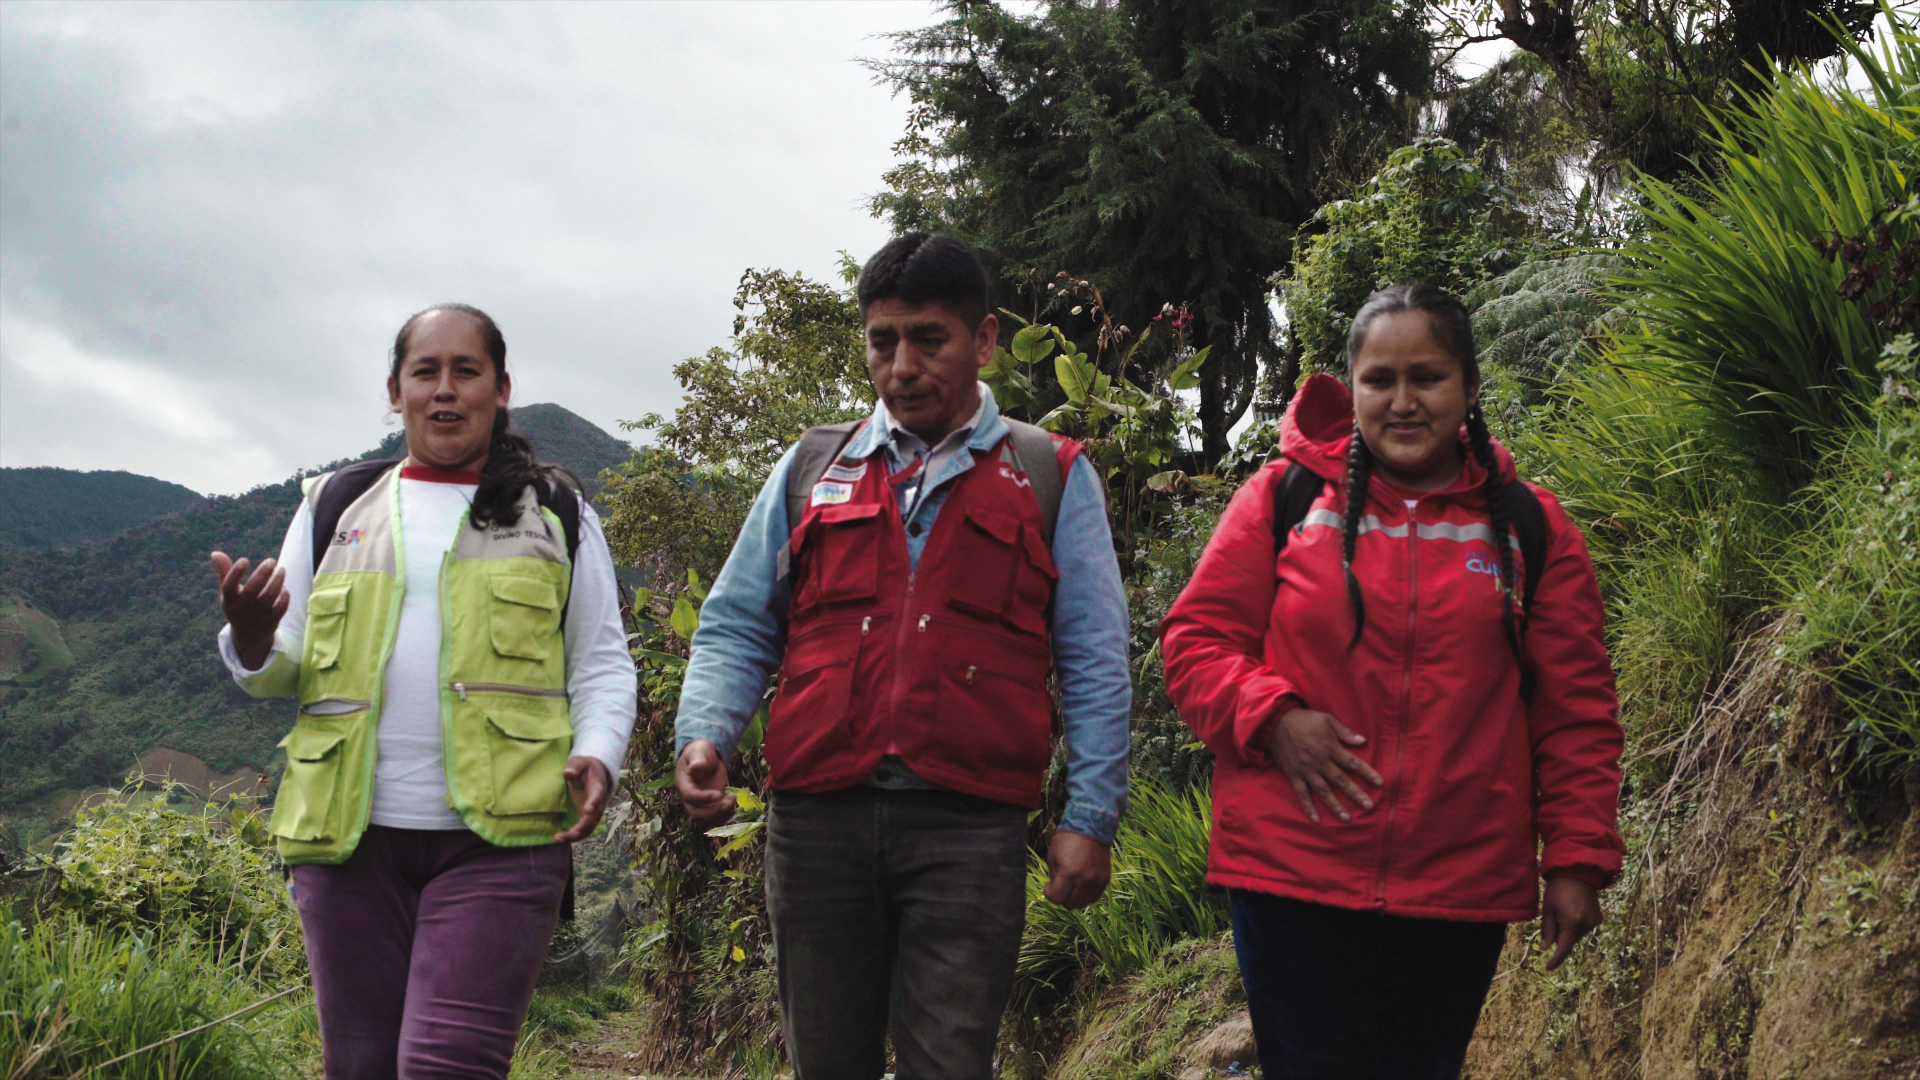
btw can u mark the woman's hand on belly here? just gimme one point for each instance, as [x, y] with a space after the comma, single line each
[1311, 749]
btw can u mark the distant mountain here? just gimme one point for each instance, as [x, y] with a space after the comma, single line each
[137, 611]
[51, 508]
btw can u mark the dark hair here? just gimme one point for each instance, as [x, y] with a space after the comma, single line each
[1453, 329]
[510, 465]
[921, 267]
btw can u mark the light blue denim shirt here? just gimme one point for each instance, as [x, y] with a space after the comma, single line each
[743, 624]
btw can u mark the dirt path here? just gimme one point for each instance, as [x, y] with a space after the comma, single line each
[609, 1053]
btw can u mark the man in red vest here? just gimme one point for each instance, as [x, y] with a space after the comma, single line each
[915, 579]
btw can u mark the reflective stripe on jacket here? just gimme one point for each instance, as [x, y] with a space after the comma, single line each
[505, 725]
[946, 665]
[1477, 779]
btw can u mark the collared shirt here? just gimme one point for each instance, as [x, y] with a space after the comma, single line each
[743, 623]
[904, 446]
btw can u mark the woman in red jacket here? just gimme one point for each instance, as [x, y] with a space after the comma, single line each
[1402, 750]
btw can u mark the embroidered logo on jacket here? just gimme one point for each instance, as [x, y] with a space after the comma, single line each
[847, 473]
[827, 493]
[348, 538]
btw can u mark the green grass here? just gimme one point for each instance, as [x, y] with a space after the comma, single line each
[74, 996]
[1158, 896]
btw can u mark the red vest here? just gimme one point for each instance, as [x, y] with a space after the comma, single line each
[948, 666]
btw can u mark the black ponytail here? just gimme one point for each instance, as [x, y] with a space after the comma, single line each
[1453, 329]
[511, 466]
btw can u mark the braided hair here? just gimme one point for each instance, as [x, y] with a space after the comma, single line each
[510, 466]
[1453, 329]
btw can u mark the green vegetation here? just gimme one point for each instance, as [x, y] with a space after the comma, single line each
[57, 508]
[73, 996]
[154, 917]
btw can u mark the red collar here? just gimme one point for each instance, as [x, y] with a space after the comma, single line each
[439, 476]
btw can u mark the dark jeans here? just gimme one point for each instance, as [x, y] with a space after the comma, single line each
[1339, 993]
[894, 910]
[424, 948]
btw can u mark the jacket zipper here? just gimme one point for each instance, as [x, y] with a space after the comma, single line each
[1406, 705]
[461, 688]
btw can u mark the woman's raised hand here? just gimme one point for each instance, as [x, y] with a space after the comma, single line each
[1311, 749]
[254, 605]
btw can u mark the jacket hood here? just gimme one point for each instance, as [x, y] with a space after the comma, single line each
[1318, 430]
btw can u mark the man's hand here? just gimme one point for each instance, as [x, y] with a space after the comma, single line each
[1570, 910]
[253, 605]
[1077, 869]
[701, 779]
[588, 781]
[1308, 748]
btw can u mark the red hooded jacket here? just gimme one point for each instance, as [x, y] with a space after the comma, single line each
[1484, 790]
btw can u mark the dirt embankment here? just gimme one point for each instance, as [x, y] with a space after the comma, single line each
[1762, 930]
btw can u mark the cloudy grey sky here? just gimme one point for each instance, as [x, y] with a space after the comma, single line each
[214, 217]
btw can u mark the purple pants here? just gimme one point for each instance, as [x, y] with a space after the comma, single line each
[424, 948]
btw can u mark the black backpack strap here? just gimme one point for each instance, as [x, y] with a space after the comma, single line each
[1039, 458]
[1292, 498]
[337, 492]
[818, 448]
[1530, 525]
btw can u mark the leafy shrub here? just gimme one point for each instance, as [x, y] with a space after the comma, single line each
[74, 995]
[136, 862]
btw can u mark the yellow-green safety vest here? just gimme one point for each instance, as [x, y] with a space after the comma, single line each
[505, 727]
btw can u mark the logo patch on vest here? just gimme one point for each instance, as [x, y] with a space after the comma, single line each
[827, 493]
[849, 474]
[348, 538]
[1018, 478]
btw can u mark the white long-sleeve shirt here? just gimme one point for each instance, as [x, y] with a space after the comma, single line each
[409, 782]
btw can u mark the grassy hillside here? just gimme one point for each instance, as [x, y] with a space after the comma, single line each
[138, 613]
[50, 508]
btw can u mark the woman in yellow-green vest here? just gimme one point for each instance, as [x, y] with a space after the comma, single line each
[450, 626]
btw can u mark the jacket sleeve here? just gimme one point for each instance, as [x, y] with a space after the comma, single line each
[1212, 642]
[1573, 719]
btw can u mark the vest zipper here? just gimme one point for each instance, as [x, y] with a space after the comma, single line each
[461, 688]
[1406, 705]
[348, 706]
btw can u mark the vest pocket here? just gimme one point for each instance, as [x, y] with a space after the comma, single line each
[841, 551]
[527, 746]
[807, 722]
[326, 626]
[306, 806]
[999, 573]
[524, 610]
[995, 710]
